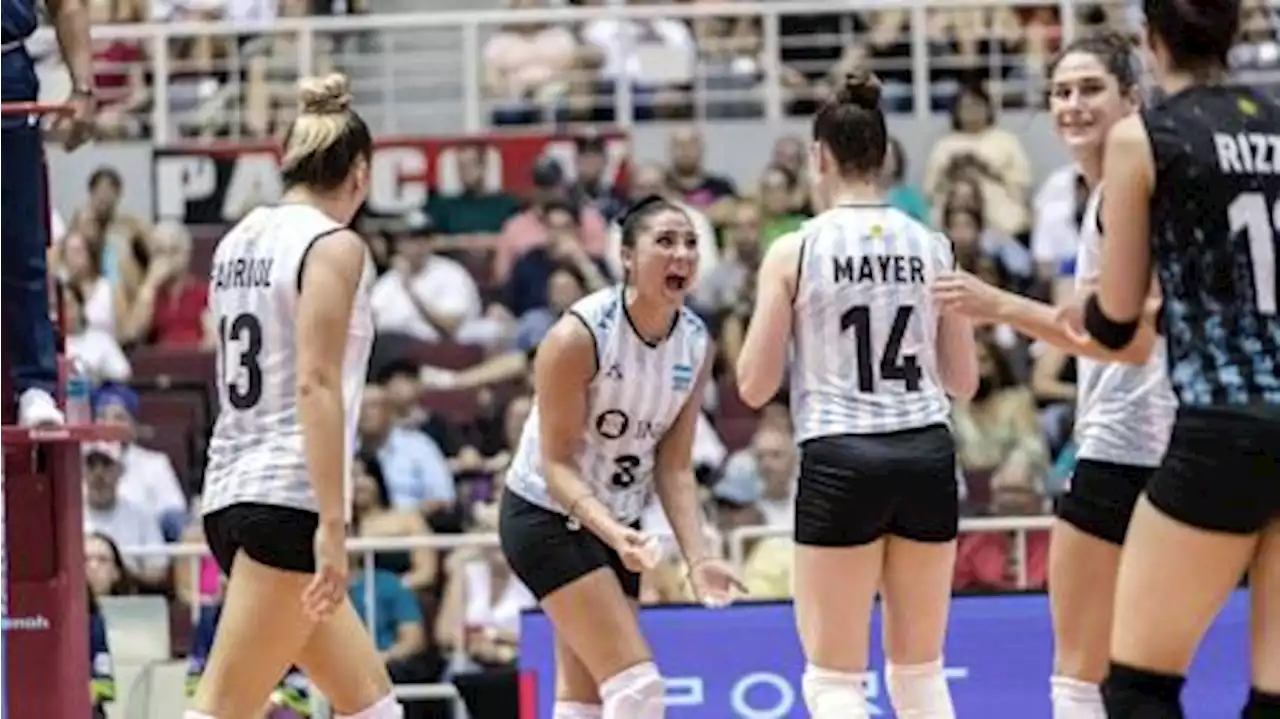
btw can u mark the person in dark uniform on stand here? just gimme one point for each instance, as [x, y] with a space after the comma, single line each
[28, 333]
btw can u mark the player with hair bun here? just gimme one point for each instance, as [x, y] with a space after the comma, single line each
[1124, 413]
[877, 507]
[290, 294]
[618, 383]
[1193, 193]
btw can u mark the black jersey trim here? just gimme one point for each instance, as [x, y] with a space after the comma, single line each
[306, 252]
[651, 344]
[795, 291]
[595, 346]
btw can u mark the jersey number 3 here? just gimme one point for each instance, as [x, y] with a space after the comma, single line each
[244, 388]
[893, 365]
[1248, 214]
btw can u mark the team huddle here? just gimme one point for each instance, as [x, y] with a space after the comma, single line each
[1175, 497]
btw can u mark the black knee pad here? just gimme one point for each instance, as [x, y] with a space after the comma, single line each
[1133, 693]
[1262, 705]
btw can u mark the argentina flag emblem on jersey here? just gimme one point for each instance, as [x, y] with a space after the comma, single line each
[681, 377]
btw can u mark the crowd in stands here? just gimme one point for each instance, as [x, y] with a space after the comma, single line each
[471, 282]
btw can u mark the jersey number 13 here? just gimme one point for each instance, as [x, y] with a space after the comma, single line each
[893, 364]
[1248, 213]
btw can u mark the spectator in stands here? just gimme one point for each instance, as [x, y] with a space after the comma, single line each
[126, 523]
[402, 378]
[565, 286]
[105, 571]
[777, 204]
[687, 175]
[395, 620]
[525, 64]
[171, 308]
[93, 350]
[480, 615]
[657, 55]
[590, 186]
[476, 209]
[426, 295]
[80, 269]
[791, 153]
[728, 293]
[373, 517]
[148, 479]
[988, 561]
[1055, 237]
[996, 432]
[1259, 47]
[528, 229]
[120, 71]
[120, 237]
[102, 682]
[415, 471]
[1002, 255]
[905, 197]
[769, 482]
[651, 179]
[530, 281]
[977, 149]
[730, 63]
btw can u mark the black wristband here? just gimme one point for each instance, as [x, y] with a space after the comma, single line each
[1109, 333]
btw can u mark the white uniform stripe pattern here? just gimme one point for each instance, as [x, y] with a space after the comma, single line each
[635, 397]
[1124, 413]
[256, 453]
[865, 360]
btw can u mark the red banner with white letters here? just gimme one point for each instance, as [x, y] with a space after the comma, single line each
[218, 184]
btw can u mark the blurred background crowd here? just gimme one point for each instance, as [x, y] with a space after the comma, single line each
[470, 282]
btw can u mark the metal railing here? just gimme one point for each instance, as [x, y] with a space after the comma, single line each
[737, 541]
[402, 64]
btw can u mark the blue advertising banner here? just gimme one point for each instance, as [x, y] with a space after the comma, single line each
[744, 662]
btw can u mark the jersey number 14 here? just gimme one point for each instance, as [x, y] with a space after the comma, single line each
[1248, 213]
[893, 364]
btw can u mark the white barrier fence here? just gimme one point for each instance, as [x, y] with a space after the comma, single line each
[445, 52]
[737, 553]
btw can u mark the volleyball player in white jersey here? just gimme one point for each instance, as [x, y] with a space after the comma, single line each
[877, 503]
[1124, 413]
[290, 293]
[618, 383]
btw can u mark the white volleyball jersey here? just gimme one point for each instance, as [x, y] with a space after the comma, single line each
[866, 327]
[636, 394]
[256, 453]
[1124, 413]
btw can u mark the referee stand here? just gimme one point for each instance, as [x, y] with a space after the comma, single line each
[44, 650]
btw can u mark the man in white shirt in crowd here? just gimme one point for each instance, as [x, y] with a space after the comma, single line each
[107, 512]
[426, 295]
[148, 479]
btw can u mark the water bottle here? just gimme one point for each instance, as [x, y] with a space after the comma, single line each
[79, 396]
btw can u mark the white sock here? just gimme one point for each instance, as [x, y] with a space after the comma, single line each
[385, 708]
[1076, 699]
[919, 691]
[577, 710]
[831, 694]
[634, 693]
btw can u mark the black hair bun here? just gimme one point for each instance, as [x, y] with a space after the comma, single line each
[638, 206]
[861, 89]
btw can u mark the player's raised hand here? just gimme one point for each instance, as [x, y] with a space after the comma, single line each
[640, 552]
[715, 583]
[329, 585]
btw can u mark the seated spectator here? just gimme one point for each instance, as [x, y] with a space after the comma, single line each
[415, 471]
[728, 293]
[480, 615]
[1011, 259]
[698, 187]
[1059, 209]
[403, 381]
[528, 229]
[590, 185]
[525, 64]
[102, 682]
[427, 295]
[996, 432]
[769, 482]
[528, 285]
[104, 567]
[657, 55]
[778, 215]
[118, 237]
[993, 156]
[93, 350]
[565, 286]
[148, 480]
[171, 308]
[127, 524]
[988, 561]
[476, 209]
[396, 618]
[80, 269]
[905, 197]
[373, 517]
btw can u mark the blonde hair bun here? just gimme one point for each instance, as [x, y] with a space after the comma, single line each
[328, 95]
